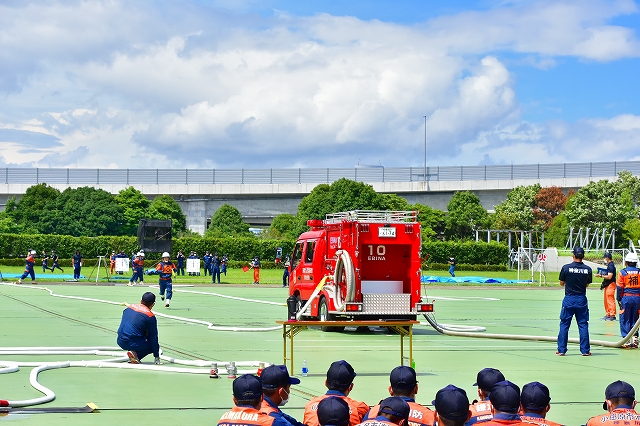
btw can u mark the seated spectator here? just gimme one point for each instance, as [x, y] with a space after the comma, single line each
[393, 411]
[481, 410]
[452, 406]
[620, 401]
[534, 404]
[505, 404]
[333, 411]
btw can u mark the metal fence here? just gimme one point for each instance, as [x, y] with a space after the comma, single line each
[312, 175]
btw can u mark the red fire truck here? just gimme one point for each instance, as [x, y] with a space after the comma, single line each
[359, 265]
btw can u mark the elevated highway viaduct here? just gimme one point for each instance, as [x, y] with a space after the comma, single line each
[260, 195]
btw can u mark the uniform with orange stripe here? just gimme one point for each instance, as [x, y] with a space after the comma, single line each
[30, 260]
[505, 403]
[276, 386]
[138, 329]
[166, 268]
[392, 411]
[628, 296]
[138, 269]
[247, 397]
[619, 403]
[339, 382]
[404, 384]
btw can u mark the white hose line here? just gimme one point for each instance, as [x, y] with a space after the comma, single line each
[455, 327]
[33, 379]
[209, 325]
[343, 263]
[315, 294]
[603, 343]
[242, 299]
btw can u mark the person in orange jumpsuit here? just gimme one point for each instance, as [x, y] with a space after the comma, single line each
[339, 383]
[534, 402]
[620, 401]
[404, 384]
[628, 296]
[609, 287]
[256, 270]
[112, 263]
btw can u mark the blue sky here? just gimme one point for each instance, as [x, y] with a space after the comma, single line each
[275, 83]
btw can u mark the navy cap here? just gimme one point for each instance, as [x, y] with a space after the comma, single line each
[340, 374]
[403, 377]
[488, 377]
[452, 403]
[247, 387]
[148, 298]
[276, 376]
[535, 396]
[578, 251]
[333, 411]
[505, 397]
[618, 389]
[395, 406]
[607, 255]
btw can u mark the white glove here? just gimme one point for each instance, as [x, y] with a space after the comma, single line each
[156, 361]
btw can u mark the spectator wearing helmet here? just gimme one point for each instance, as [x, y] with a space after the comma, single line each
[609, 287]
[339, 384]
[575, 277]
[166, 268]
[404, 384]
[138, 269]
[452, 406]
[620, 401]
[505, 404]
[333, 411]
[481, 410]
[247, 397]
[276, 386]
[30, 260]
[628, 297]
[534, 404]
[392, 411]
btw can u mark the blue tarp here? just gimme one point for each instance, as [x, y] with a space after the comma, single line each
[61, 276]
[478, 280]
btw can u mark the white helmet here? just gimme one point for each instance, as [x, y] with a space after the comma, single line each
[631, 257]
[166, 254]
[32, 252]
[141, 254]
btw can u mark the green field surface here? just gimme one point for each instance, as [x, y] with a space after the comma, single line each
[30, 316]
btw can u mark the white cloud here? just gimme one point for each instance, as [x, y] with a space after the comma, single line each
[128, 84]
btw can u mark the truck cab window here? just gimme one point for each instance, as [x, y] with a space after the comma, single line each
[297, 255]
[311, 245]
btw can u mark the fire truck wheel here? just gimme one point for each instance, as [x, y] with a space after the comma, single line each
[324, 315]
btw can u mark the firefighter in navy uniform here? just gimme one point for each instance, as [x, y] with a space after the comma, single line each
[393, 411]
[29, 261]
[481, 409]
[575, 277]
[620, 401]
[138, 331]
[166, 268]
[276, 386]
[340, 383]
[404, 384]
[54, 258]
[628, 296]
[247, 397]
[534, 403]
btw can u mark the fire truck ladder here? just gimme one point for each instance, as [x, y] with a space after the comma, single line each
[373, 216]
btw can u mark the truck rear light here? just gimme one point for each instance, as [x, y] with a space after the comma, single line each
[353, 307]
[424, 307]
[408, 229]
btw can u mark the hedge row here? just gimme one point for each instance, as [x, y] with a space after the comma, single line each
[91, 262]
[240, 249]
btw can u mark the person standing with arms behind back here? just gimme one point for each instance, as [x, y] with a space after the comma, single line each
[575, 277]
[609, 287]
[452, 265]
[77, 264]
[180, 263]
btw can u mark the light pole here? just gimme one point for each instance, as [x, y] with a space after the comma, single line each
[425, 148]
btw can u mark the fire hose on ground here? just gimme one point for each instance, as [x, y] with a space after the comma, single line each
[452, 331]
